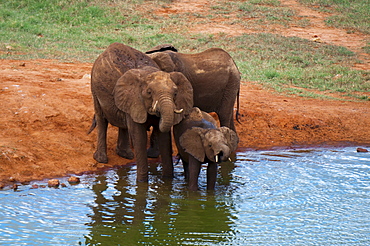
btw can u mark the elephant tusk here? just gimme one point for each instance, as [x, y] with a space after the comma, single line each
[229, 159]
[155, 106]
[178, 111]
[216, 158]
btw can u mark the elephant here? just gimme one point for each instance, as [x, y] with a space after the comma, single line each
[199, 140]
[214, 76]
[133, 94]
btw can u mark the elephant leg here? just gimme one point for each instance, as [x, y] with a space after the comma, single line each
[165, 148]
[211, 175]
[123, 144]
[186, 169]
[194, 170]
[100, 154]
[226, 118]
[153, 150]
[226, 111]
[139, 139]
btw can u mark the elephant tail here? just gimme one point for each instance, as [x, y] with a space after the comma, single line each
[93, 125]
[178, 156]
[161, 48]
[237, 115]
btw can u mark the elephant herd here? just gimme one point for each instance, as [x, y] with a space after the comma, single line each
[163, 89]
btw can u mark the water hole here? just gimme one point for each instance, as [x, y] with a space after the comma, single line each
[278, 197]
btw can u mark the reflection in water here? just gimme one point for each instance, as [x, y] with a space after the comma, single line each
[284, 197]
[159, 212]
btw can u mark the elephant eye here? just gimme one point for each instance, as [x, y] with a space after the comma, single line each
[149, 92]
[210, 145]
[175, 92]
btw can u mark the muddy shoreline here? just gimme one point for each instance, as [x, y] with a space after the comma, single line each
[47, 109]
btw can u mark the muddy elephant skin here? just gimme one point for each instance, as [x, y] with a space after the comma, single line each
[132, 93]
[199, 140]
[213, 74]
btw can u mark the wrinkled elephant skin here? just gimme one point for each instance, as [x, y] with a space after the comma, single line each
[198, 141]
[133, 94]
[213, 74]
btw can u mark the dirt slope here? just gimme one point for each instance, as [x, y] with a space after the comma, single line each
[46, 110]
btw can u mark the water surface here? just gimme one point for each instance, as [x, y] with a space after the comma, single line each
[282, 197]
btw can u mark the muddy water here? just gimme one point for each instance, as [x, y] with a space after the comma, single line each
[291, 197]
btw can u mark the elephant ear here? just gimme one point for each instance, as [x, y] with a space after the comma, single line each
[184, 98]
[127, 95]
[163, 61]
[231, 137]
[192, 143]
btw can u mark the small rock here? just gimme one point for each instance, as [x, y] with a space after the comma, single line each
[63, 185]
[316, 39]
[74, 180]
[337, 76]
[86, 76]
[53, 183]
[12, 179]
[362, 150]
[15, 187]
[35, 186]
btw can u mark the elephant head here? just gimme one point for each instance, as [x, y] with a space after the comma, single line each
[215, 144]
[144, 91]
[164, 61]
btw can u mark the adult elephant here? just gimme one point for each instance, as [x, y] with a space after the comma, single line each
[132, 93]
[214, 76]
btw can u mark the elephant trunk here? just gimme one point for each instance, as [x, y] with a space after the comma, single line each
[166, 109]
[221, 154]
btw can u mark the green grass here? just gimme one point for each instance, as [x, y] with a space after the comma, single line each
[253, 14]
[79, 30]
[351, 15]
[281, 62]
[72, 30]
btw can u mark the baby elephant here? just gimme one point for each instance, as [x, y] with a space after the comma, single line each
[199, 140]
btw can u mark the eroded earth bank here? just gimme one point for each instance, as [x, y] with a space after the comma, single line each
[46, 109]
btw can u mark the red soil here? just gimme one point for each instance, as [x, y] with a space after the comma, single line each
[46, 108]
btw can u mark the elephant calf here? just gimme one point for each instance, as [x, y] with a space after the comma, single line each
[199, 140]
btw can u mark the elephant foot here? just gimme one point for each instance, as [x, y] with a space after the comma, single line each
[193, 187]
[152, 152]
[142, 179]
[101, 158]
[167, 174]
[128, 154]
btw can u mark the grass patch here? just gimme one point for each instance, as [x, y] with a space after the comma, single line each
[351, 15]
[72, 30]
[261, 12]
[80, 30]
[281, 62]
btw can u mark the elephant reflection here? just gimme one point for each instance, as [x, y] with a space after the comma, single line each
[126, 213]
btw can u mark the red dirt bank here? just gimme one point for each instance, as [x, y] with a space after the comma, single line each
[46, 106]
[46, 109]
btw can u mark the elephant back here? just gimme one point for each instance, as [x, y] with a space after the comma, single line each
[116, 60]
[196, 118]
